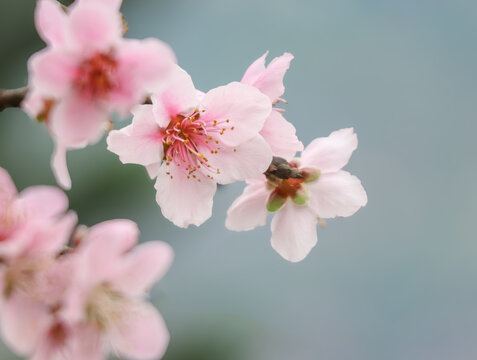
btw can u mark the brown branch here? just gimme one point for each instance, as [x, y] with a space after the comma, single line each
[12, 97]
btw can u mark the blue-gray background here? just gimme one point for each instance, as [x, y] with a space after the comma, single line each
[395, 281]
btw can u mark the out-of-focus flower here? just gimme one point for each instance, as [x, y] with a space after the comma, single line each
[34, 229]
[278, 132]
[191, 144]
[322, 191]
[107, 290]
[87, 71]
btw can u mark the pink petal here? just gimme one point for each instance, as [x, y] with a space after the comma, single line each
[247, 160]
[293, 232]
[153, 170]
[60, 168]
[161, 114]
[8, 191]
[249, 210]
[142, 333]
[143, 266]
[255, 70]
[179, 95]
[93, 27]
[51, 72]
[330, 153]
[139, 143]
[148, 62]
[50, 21]
[336, 194]
[270, 82]
[33, 104]
[184, 201]
[244, 106]
[104, 245]
[52, 238]
[280, 135]
[43, 201]
[22, 323]
[76, 122]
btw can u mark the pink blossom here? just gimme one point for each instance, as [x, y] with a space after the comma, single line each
[107, 290]
[191, 141]
[277, 132]
[87, 71]
[324, 191]
[34, 221]
[34, 228]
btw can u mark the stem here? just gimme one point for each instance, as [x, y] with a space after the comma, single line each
[12, 97]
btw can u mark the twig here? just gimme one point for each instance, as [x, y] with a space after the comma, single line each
[12, 97]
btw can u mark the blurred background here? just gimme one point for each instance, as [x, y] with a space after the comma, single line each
[396, 281]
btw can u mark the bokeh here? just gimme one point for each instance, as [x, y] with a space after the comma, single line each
[398, 280]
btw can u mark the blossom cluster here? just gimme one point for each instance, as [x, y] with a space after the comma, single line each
[75, 295]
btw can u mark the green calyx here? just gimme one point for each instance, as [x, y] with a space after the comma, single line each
[300, 197]
[310, 174]
[275, 201]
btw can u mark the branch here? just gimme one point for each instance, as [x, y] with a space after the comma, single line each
[12, 97]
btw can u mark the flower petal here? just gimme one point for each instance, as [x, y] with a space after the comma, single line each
[179, 96]
[336, 194]
[76, 122]
[270, 81]
[143, 266]
[51, 72]
[140, 142]
[148, 62]
[93, 27]
[22, 322]
[8, 191]
[60, 168]
[247, 160]
[153, 170]
[330, 153]
[254, 70]
[239, 109]
[104, 244]
[294, 232]
[183, 200]
[280, 135]
[51, 238]
[249, 210]
[142, 333]
[50, 21]
[43, 201]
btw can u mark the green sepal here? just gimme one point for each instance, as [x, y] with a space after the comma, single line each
[275, 201]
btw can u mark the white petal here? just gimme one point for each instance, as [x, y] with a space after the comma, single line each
[249, 210]
[247, 160]
[183, 200]
[330, 153]
[336, 194]
[280, 135]
[294, 231]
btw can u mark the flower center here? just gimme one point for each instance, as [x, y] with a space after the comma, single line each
[288, 187]
[27, 276]
[95, 76]
[106, 306]
[188, 138]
